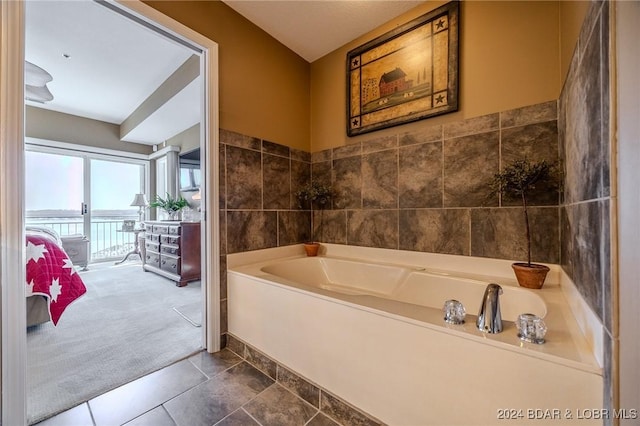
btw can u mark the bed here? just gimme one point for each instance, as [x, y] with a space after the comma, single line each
[52, 282]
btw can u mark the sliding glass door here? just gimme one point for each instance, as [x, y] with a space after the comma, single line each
[114, 185]
[85, 194]
[55, 191]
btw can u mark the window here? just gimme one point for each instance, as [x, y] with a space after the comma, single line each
[83, 193]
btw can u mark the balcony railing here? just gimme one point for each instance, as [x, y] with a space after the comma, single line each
[107, 242]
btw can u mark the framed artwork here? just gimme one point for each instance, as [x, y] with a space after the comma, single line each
[407, 74]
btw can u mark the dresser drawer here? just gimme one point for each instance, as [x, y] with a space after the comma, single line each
[170, 239]
[149, 245]
[153, 237]
[160, 229]
[170, 249]
[174, 230]
[152, 259]
[170, 264]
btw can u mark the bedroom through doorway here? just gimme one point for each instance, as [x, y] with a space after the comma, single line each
[102, 145]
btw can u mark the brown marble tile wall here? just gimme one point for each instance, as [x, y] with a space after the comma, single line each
[258, 181]
[428, 190]
[420, 175]
[585, 146]
[258, 208]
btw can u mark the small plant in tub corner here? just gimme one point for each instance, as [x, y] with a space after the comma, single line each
[518, 181]
[314, 195]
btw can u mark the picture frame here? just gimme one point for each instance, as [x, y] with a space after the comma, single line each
[405, 75]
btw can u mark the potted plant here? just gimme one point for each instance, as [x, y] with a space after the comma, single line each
[317, 195]
[172, 206]
[518, 181]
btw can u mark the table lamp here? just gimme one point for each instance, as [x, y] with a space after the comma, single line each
[139, 201]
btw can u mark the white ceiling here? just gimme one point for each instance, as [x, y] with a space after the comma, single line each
[113, 64]
[180, 113]
[314, 28]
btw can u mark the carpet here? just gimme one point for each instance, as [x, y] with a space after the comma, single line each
[123, 328]
[191, 312]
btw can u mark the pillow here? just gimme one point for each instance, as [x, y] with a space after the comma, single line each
[50, 232]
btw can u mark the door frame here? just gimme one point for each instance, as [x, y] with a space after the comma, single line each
[625, 112]
[12, 271]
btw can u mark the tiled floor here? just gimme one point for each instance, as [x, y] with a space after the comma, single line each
[205, 389]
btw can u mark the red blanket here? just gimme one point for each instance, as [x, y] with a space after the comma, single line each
[50, 273]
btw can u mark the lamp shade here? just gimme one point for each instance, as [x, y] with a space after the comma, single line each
[139, 201]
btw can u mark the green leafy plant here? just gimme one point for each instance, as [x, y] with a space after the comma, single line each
[315, 195]
[519, 180]
[169, 204]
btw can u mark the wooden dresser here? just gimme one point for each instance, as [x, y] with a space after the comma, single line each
[172, 249]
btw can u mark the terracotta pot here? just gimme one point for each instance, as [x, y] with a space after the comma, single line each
[311, 248]
[530, 276]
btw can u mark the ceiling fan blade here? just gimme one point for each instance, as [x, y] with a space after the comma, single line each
[35, 76]
[37, 94]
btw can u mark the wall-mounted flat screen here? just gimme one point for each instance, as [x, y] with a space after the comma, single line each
[190, 176]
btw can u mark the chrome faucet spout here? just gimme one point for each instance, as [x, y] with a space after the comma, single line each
[489, 318]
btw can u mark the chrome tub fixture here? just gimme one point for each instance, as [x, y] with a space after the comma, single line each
[489, 318]
[531, 328]
[454, 312]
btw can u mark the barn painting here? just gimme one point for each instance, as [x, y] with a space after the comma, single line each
[405, 75]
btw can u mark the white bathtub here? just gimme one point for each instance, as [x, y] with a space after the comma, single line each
[416, 285]
[372, 332]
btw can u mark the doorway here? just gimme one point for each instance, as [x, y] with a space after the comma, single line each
[12, 189]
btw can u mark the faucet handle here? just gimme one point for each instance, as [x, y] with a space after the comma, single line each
[454, 312]
[531, 328]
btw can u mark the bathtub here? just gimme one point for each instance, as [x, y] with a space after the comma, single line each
[367, 325]
[413, 285]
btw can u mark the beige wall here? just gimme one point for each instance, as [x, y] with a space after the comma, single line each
[187, 140]
[51, 125]
[264, 86]
[572, 15]
[512, 54]
[509, 57]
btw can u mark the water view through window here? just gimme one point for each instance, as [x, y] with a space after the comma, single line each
[58, 186]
